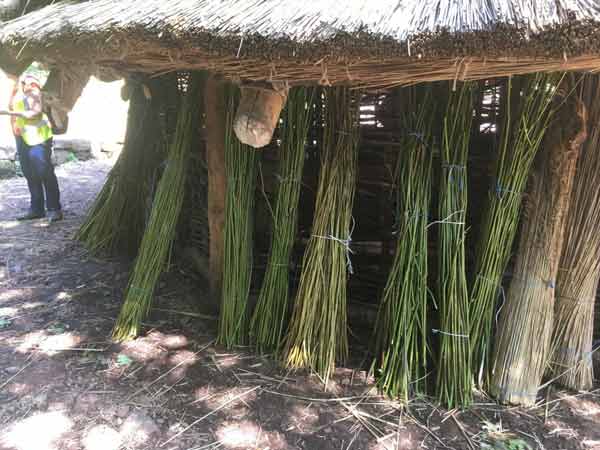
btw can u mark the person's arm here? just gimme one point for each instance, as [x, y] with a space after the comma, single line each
[33, 105]
[8, 112]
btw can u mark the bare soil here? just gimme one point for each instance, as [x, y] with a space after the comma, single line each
[65, 385]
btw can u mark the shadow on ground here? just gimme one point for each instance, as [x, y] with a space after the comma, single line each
[65, 385]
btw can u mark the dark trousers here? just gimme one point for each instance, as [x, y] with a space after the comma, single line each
[37, 167]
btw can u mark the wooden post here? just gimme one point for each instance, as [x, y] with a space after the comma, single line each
[217, 183]
[61, 91]
[258, 113]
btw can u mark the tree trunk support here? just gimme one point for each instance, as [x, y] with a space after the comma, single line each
[217, 183]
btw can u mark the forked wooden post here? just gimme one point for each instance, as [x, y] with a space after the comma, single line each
[217, 183]
[62, 90]
[258, 113]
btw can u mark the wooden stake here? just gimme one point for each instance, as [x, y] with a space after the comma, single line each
[217, 183]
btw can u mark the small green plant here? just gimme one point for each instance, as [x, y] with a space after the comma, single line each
[124, 360]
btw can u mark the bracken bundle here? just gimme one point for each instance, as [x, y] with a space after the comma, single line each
[401, 332]
[454, 380]
[270, 314]
[160, 232]
[317, 335]
[241, 169]
[528, 103]
[525, 323]
[579, 271]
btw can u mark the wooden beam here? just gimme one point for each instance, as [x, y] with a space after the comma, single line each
[217, 183]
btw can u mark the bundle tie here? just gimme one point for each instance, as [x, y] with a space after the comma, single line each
[281, 179]
[346, 244]
[500, 191]
[548, 283]
[452, 167]
[447, 220]
[445, 333]
[570, 352]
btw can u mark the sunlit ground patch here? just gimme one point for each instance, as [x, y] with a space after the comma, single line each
[239, 435]
[40, 432]
[9, 225]
[48, 344]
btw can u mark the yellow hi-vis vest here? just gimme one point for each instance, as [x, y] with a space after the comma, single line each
[33, 131]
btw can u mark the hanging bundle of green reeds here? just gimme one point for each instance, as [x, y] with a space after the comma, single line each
[401, 333]
[241, 169]
[579, 271]
[271, 311]
[454, 381]
[116, 221]
[317, 335]
[160, 232]
[527, 109]
[522, 349]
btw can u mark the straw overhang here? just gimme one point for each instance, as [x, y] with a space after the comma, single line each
[361, 42]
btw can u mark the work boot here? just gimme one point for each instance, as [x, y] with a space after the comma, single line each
[55, 216]
[31, 215]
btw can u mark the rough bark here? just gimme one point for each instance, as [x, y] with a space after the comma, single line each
[62, 90]
[217, 183]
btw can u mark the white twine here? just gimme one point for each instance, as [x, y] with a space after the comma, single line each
[436, 331]
[447, 220]
[345, 243]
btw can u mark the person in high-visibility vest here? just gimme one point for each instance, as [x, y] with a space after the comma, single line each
[33, 137]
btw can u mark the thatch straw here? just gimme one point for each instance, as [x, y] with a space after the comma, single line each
[160, 232]
[272, 308]
[579, 271]
[454, 380]
[401, 327]
[117, 219]
[317, 335]
[241, 166]
[526, 116]
[364, 43]
[525, 326]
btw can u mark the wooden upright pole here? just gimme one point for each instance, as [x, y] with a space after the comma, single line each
[217, 183]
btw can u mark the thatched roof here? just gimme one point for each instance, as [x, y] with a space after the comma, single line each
[369, 42]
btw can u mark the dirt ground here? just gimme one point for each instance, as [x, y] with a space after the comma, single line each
[65, 385]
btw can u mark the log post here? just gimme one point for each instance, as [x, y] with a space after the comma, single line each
[61, 91]
[217, 183]
[258, 112]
